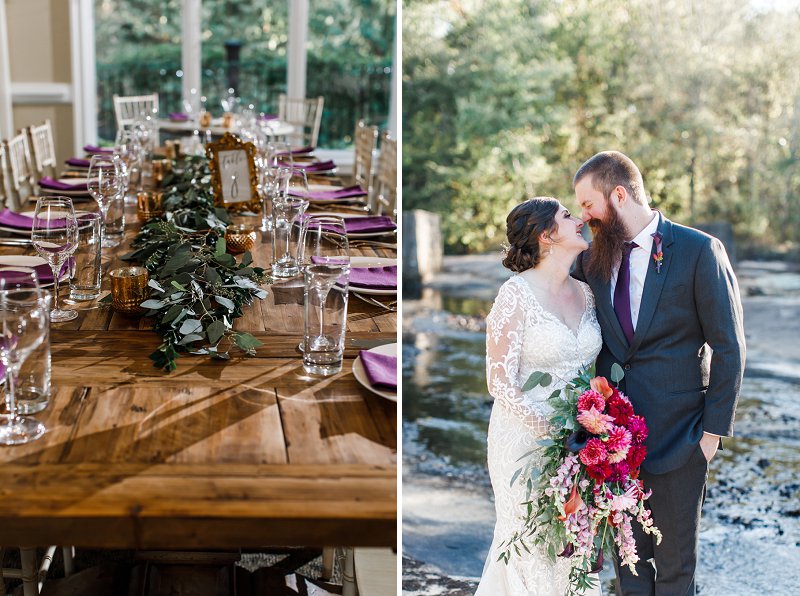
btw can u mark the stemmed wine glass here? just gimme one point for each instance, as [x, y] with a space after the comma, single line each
[325, 256]
[288, 206]
[279, 155]
[23, 327]
[104, 184]
[55, 237]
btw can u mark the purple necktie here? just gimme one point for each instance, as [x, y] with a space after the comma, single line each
[622, 292]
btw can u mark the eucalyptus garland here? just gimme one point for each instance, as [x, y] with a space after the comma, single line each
[197, 288]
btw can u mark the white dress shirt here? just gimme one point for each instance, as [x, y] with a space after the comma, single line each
[640, 261]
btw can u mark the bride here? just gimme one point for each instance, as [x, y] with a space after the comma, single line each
[542, 320]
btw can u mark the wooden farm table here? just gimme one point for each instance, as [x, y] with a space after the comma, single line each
[249, 452]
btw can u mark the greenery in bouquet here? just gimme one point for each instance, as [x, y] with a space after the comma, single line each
[586, 495]
[197, 288]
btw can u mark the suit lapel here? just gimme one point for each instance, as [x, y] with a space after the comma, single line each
[653, 284]
[606, 315]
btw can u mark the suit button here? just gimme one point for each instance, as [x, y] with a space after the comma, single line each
[627, 367]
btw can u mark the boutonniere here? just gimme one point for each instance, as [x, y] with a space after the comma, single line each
[658, 255]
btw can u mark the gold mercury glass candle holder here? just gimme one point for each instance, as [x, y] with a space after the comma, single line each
[148, 205]
[239, 238]
[205, 119]
[129, 289]
[227, 120]
[157, 172]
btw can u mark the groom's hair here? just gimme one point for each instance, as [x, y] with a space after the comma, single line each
[609, 169]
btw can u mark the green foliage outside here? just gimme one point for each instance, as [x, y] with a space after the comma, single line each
[349, 56]
[504, 99]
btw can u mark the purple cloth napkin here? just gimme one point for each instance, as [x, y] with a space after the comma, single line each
[95, 149]
[80, 162]
[15, 220]
[43, 272]
[320, 166]
[376, 223]
[381, 369]
[376, 278]
[52, 184]
[178, 116]
[331, 195]
[265, 117]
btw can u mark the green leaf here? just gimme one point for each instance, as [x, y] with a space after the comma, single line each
[190, 326]
[178, 286]
[192, 337]
[153, 304]
[246, 342]
[226, 302]
[616, 373]
[215, 331]
[247, 258]
[220, 247]
[537, 378]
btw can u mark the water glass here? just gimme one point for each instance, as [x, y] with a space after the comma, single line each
[85, 271]
[32, 393]
[324, 317]
[114, 221]
[286, 234]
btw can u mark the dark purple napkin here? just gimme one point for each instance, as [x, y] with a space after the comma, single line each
[43, 272]
[376, 278]
[265, 117]
[320, 166]
[52, 184]
[15, 220]
[362, 225]
[80, 162]
[178, 116]
[381, 369]
[92, 149]
[331, 195]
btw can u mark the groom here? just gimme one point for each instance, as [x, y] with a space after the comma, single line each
[669, 309]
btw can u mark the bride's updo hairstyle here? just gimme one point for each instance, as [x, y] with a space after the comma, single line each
[526, 222]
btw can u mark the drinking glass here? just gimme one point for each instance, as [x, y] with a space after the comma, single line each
[324, 243]
[104, 184]
[325, 300]
[286, 234]
[55, 237]
[23, 327]
[279, 154]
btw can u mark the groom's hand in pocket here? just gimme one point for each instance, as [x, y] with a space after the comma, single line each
[709, 444]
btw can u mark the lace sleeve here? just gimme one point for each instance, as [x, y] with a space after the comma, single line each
[505, 329]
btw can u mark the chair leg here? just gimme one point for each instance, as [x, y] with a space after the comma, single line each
[69, 563]
[349, 587]
[327, 562]
[30, 575]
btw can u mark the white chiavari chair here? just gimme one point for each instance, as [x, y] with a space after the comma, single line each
[128, 108]
[43, 149]
[384, 193]
[305, 115]
[366, 141]
[20, 171]
[4, 173]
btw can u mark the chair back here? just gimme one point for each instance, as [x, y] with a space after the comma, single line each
[305, 115]
[20, 170]
[128, 107]
[385, 190]
[3, 175]
[366, 138]
[43, 149]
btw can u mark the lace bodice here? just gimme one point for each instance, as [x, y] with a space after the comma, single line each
[522, 337]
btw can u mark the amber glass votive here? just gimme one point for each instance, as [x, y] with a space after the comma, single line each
[227, 120]
[205, 119]
[239, 238]
[129, 289]
[148, 205]
[158, 171]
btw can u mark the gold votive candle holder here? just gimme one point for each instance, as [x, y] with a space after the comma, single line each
[158, 171]
[148, 205]
[227, 120]
[178, 150]
[129, 289]
[239, 238]
[205, 119]
[169, 150]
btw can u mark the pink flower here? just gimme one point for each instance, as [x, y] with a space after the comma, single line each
[638, 428]
[594, 452]
[619, 472]
[619, 439]
[595, 422]
[591, 399]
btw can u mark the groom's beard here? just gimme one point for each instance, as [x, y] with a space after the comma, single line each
[608, 238]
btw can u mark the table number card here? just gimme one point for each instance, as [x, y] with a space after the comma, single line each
[233, 174]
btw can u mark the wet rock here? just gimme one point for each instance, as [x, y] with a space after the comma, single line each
[763, 463]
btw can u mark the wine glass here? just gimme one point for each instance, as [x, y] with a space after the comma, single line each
[104, 184]
[287, 211]
[295, 183]
[279, 155]
[23, 327]
[55, 237]
[325, 254]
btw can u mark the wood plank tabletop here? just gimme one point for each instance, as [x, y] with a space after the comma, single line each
[249, 452]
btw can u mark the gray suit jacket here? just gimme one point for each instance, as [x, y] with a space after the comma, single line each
[684, 368]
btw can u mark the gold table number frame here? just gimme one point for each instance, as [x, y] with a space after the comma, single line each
[234, 179]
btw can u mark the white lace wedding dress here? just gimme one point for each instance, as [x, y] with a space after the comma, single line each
[523, 338]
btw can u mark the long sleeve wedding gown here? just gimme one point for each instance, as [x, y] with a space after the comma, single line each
[521, 338]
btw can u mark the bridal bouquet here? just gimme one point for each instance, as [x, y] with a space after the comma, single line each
[587, 494]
